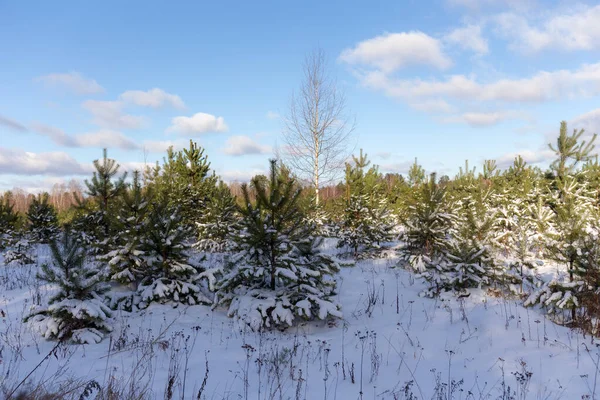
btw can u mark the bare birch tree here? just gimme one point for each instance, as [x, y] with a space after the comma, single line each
[317, 129]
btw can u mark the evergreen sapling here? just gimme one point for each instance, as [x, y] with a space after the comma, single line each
[277, 274]
[76, 312]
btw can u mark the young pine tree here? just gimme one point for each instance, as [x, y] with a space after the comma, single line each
[429, 222]
[277, 274]
[103, 190]
[76, 312]
[470, 260]
[367, 220]
[126, 260]
[217, 222]
[8, 222]
[43, 220]
[573, 205]
[168, 276]
[186, 181]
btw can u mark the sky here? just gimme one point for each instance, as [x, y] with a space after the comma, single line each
[441, 81]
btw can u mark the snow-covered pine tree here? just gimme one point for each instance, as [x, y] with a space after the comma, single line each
[126, 259]
[367, 220]
[43, 220]
[573, 205]
[20, 251]
[523, 223]
[13, 241]
[277, 274]
[88, 227]
[102, 191]
[317, 217]
[8, 222]
[573, 210]
[542, 217]
[217, 222]
[469, 260]
[429, 222]
[185, 179]
[356, 226]
[76, 312]
[168, 276]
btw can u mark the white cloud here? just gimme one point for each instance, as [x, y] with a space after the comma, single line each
[29, 185]
[109, 114]
[469, 38]
[130, 166]
[589, 121]
[57, 135]
[12, 124]
[197, 124]
[240, 176]
[383, 154]
[19, 162]
[542, 156]
[105, 138]
[393, 51]
[401, 167]
[154, 98]
[102, 138]
[481, 119]
[432, 106]
[161, 146]
[575, 29]
[541, 87]
[244, 145]
[72, 81]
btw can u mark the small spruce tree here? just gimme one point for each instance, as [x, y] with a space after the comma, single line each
[102, 191]
[367, 221]
[573, 206]
[8, 222]
[43, 220]
[277, 274]
[126, 260]
[168, 276]
[428, 224]
[76, 312]
[217, 222]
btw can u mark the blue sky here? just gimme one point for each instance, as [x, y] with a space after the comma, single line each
[442, 80]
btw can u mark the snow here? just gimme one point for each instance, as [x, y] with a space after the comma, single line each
[388, 343]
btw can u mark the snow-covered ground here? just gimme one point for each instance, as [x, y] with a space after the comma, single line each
[391, 344]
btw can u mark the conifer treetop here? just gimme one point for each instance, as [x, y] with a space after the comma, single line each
[570, 150]
[102, 186]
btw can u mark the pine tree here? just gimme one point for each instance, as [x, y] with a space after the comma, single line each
[469, 261]
[367, 220]
[355, 229]
[76, 312]
[20, 251]
[573, 206]
[43, 219]
[8, 222]
[168, 276]
[126, 259]
[416, 174]
[428, 225]
[102, 190]
[277, 273]
[217, 222]
[570, 150]
[320, 220]
[185, 180]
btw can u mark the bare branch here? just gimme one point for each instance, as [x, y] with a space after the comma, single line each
[317, 130]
